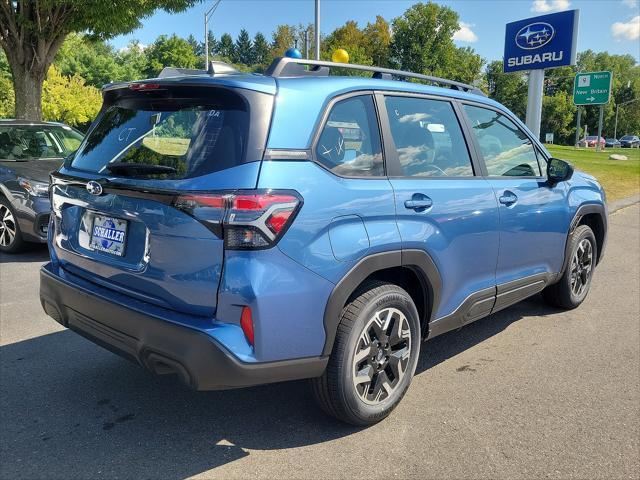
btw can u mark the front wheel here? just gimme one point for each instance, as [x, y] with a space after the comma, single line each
[10, 236]
[374, 356]
[574, 285]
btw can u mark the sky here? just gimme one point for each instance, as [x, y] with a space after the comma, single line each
[611, 25]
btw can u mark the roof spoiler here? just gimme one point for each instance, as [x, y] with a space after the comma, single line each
[215, 68]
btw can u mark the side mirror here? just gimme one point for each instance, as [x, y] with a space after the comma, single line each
[558, 171]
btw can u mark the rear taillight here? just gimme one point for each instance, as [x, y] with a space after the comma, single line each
[247, 220]
[209, 209]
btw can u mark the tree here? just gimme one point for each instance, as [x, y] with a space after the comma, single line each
[353, 40]
[283, 38]
[213, 44]
[304, 33]
[260, 49]
[558, 112]
[423, 39]
[196, 46]
[90, 58]
[378, 38]
[7, 106]
[170, 51]
[31, 32]
[68, 99]
[243, 50]
[510, 89]
[468, 66]
[226, 47]
[133, 61]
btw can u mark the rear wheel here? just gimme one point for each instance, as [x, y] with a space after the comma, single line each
[374, 356]
[10, 236]
[574, 285]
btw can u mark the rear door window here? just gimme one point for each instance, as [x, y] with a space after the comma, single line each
[195, 136]
[349, 143]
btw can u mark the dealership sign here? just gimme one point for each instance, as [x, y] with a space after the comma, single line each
[546, 41]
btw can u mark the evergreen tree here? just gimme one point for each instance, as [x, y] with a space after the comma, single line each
[260, 49]
[198, 47]
[243, 51]
[214, 45]
[225, 47]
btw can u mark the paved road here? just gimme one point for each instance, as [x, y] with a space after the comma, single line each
[530, 392]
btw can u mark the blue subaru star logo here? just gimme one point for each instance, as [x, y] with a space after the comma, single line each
[534, 35]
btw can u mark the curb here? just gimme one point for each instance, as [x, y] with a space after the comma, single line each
[623, 202]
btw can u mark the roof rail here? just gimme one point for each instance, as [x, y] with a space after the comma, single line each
[215, 68]
[294, 67]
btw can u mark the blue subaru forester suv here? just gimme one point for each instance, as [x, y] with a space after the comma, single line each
[237, 229]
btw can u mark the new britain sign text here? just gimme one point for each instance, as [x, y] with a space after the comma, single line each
[546, 41]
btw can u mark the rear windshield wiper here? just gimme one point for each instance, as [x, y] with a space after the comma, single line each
[139, 169]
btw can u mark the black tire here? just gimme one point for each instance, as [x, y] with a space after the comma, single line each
[10, 236]
[362, 331]
[574, 285]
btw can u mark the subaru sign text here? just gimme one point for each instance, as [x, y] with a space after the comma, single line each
[541, 42]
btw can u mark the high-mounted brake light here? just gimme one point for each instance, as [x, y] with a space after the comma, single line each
[144, 86]
[247, 220]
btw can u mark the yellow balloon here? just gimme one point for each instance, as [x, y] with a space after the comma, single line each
[340, 56]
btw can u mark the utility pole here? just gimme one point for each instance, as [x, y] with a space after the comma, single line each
[317, 27]
[207, 16]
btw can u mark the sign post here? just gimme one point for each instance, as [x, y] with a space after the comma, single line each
[598, 146]
[592, 88]
[534, 44]
[578, 128]
[534, 101]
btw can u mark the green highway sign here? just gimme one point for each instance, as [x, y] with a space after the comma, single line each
[592, 88]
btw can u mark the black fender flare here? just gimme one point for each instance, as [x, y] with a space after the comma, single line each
[581, 212]
[418, 260]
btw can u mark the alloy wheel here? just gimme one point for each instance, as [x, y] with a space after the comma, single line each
[581, 267]
[382, 355]
[7, 226]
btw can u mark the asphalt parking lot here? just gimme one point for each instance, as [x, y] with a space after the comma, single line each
[529, 392]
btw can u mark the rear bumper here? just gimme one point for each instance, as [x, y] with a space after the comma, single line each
[161, 346]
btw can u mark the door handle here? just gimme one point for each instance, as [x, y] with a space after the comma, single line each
[508, 198]
[418, 203]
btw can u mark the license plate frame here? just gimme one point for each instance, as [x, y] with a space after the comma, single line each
[108, 235]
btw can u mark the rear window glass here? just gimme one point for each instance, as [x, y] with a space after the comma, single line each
[194, 136]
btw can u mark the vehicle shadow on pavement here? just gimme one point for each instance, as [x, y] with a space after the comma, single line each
[69, 409]
[445, 346]
[33, 253]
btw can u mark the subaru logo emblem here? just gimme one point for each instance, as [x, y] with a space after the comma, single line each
[94, 188]
[534, 35]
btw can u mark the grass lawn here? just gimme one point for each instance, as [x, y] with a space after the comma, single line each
[620, 178]
[175, 147]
